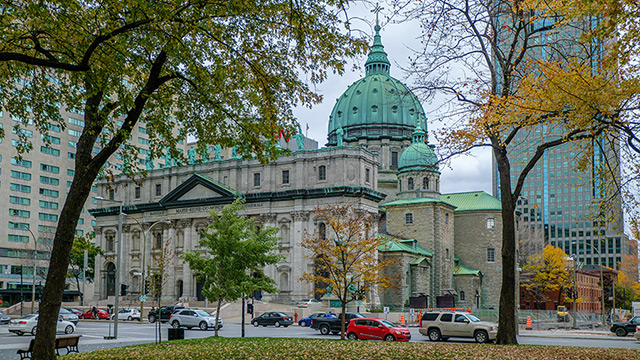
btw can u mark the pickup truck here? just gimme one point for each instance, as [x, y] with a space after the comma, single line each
[164, 314]
[334, 325]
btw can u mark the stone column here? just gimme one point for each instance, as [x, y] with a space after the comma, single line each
[187, 277]
[171, 269]
[99, 278]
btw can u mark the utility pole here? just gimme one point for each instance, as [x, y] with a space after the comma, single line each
[84, 274]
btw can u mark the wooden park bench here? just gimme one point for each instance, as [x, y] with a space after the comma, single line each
[67, 342]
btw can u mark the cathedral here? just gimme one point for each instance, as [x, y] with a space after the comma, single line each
[377, 157]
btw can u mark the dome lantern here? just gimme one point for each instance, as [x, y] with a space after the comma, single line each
[377, 62]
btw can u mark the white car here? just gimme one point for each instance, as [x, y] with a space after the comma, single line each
[306, 302]
[29, 324]
[128, 314]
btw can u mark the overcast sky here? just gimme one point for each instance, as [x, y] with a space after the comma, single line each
[466, 173]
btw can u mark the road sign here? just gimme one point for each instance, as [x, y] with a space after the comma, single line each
[386, 309]
[411, 311]
[143, 298]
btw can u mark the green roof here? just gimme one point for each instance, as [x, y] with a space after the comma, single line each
[417, 260]
[401, 202]
[377, 105]
[403, 245]
[460, 269]
[419, 155]
[475, 200]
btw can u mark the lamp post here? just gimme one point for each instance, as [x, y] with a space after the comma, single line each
[144, 254]
[575, 290]
[118, 255]
[35, 266]
[601, 280]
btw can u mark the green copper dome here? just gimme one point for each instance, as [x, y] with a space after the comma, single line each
[376, 106]
[419, 155]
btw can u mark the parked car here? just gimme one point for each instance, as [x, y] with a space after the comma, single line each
[4, 319]
[334, 325]
[101, 314]
[191, 318]
[623, 328]
[306, 302]
[164, 313]
[376, 329]
[272, 318]
[75, 311]
[128, 314]
[29, 324]
[67, 315]
[308, 320]
[442, 325]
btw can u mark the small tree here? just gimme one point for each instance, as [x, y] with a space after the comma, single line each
[76, 259]
[546, 272]
[233, 256]
[346, 255]
[163, 260]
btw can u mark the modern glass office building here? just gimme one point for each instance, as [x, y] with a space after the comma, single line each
[33, 191]
[557, 202]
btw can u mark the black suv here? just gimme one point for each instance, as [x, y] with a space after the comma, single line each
[623, 328]
[164, 313]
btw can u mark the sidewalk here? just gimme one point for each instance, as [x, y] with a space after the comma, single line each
[575, 334]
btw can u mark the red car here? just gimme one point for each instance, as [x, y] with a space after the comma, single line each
[376, 329]
[101, 315]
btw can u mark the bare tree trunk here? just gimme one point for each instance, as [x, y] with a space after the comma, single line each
[507, 321]
[78, 287]
[44, 347]
[344, 316]
[218, 317]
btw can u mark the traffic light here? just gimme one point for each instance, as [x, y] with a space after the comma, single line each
[124, 289]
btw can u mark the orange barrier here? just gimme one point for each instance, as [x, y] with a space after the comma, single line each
[529, 323]
[402, 323]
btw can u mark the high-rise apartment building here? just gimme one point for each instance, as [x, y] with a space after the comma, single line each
[557, 203]
[33, 191]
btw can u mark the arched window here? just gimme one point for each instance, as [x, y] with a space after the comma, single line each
[135, 241]
[322, 231]
[410, 183]
[284, 281]
[425, 183]
[284, 234]
[374, 108]
[462, 296]
[111, 241]
[157, 240]
[355, 110]
[322, 172]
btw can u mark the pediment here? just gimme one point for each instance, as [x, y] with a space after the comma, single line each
[199, 188]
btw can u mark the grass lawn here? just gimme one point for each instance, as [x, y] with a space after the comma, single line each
[280, 348]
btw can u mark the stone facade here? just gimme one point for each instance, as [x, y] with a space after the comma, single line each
[478, 234]
[173, 203]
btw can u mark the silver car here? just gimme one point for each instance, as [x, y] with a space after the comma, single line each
[191, 318]
[29, 324]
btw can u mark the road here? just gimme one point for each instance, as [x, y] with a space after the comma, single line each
[130, 333]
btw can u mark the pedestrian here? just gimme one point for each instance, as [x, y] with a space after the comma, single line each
[94, 311]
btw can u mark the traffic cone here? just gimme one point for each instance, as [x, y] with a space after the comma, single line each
[529, 323]
[401, 320]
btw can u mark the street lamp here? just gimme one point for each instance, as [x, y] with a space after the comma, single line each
[35, 266]
[118, 250]
[144, 253]
[575, 289]
[601, 279]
